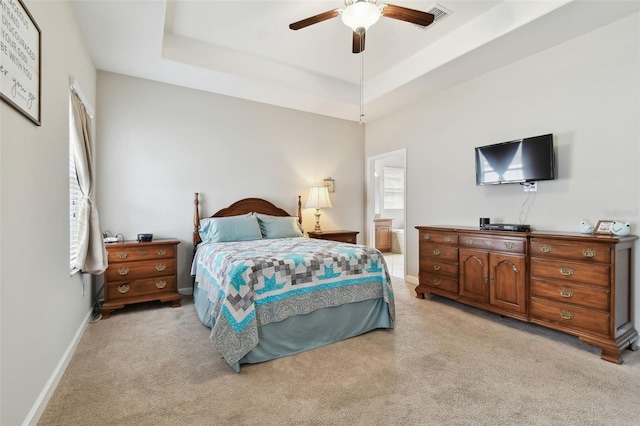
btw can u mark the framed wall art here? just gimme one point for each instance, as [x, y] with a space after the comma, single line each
[20, 64]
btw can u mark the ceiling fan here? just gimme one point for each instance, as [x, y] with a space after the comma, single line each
[359, 15]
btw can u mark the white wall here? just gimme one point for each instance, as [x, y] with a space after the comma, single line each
[158, 144]
[585, 91]
[42, 308]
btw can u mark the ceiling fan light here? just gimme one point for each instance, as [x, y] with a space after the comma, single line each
[360, 16]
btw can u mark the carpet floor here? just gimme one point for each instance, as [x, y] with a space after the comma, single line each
[443, 364]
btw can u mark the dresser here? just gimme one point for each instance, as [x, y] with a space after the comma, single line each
[575, 283]
[140, 272]
[339, 236]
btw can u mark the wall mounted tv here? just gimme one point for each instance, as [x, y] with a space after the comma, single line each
[522, 160]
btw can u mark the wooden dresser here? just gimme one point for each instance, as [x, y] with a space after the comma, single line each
[140, 272]
[339, 236]
[576, 283]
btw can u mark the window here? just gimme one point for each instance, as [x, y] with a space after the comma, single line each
[393, 188]
[75, 195]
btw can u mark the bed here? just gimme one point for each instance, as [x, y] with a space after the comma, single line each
[267, 291]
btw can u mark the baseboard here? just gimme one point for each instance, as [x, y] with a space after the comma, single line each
[411, 279]
[43, 399]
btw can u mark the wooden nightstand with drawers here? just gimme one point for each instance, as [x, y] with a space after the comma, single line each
[339, 236]
[141, 272]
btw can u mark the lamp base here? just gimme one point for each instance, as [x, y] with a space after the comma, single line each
[317, 214]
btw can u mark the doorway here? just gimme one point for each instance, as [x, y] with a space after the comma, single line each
[386, 203]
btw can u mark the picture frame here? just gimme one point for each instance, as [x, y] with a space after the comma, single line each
[603, 227]
[20, 60]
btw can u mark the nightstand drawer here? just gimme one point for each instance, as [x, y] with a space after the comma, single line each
[126, 254]
[337, 236]
[126, 289]
[144, 269]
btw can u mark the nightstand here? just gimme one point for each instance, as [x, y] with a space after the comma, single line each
[339, 236]
[140, 272]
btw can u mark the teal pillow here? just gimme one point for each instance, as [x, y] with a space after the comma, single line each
[232, 228]
[279, 226]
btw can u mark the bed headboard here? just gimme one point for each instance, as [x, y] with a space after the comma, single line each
[244, 206]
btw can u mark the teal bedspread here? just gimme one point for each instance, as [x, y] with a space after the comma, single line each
[242, 286]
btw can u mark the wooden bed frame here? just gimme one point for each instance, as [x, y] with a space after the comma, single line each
[244, 206]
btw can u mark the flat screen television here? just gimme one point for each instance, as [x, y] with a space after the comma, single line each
[517, 161]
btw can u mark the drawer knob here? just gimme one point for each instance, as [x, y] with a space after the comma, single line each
[437, 281]
[123, 288]
[143, 252]
[509, 244]
[447, 238]
[161, 252]
[123, 271]
[436, 252]
[564, 314]
[488, 242]
[426, 236]
[161, 267]
[161, 284]
[545, 249]
[469, 241]
[123, 255]
[436, 267]
[565, 292]
[566, 271]
[588, 252]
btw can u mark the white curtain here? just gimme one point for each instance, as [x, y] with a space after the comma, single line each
[92, 255]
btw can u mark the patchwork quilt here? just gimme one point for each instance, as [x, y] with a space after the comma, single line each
[252, 283]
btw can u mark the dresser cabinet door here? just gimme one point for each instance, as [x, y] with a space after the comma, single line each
[474, 274]
[507, 282]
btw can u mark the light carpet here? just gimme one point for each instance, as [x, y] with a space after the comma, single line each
[444, 364]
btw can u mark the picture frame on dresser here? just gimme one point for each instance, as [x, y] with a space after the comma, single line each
[603, 227]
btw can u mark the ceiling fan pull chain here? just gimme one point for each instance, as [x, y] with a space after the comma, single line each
[361, 82]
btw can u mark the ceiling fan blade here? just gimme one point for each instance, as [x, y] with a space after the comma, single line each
[408, 15]
[358, 42]
[314, 19]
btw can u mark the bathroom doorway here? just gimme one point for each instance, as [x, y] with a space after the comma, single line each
[386, 208]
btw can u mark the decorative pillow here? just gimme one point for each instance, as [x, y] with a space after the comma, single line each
[279, 226]
[231, 228]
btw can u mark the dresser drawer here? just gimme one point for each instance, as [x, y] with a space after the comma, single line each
[570, 316]
[593, 274]
[588, 297]
[438, 237]
[587, 252]
[144, 269]
[439, 281]
[438, 251]
[511, 245]
[127, 289]
[127, 254]
[437, 266]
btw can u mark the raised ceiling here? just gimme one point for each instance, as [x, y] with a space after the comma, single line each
[245, 49]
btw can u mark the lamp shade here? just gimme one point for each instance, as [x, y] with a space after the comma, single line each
[360, 16]
[319, 198]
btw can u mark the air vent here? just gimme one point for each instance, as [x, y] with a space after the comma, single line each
[439, 14]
